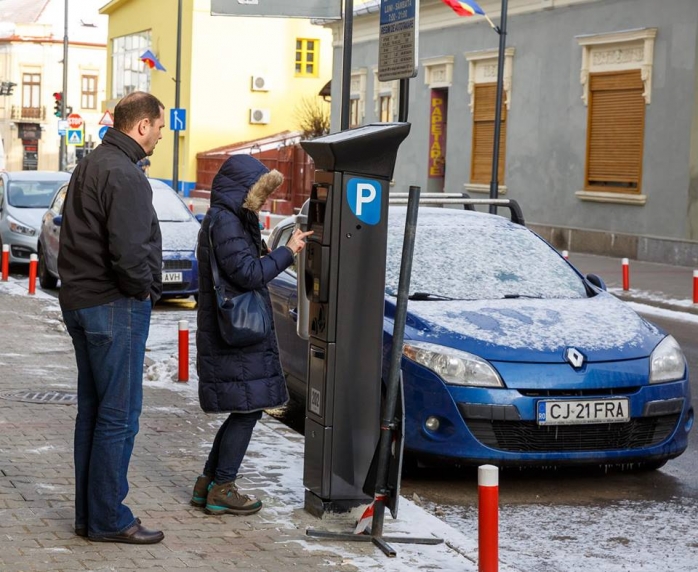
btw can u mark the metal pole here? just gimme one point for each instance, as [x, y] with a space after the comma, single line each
[346, 64]
[387, 421]
[404, 99]
[175, 154]
[62, 151]
[502, 30]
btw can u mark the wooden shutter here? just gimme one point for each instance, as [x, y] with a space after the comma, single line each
[615, 132]
[483, 135]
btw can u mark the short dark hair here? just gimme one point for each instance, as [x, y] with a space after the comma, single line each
[134, 107]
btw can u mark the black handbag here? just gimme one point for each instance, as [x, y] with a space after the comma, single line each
[242, 320]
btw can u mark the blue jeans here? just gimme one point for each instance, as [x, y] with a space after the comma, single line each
[230, 445]
[109, 343]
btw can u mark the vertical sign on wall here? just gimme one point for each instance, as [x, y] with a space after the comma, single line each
[437, 134]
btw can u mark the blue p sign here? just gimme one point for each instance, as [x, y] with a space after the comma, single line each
[364, 196]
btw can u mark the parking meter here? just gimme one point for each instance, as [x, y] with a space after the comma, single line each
[344, 283]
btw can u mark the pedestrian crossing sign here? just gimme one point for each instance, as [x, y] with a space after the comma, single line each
[74, 136]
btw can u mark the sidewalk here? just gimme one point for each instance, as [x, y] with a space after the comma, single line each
[36, 475]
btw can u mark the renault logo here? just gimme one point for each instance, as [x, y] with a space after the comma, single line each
[575, 357]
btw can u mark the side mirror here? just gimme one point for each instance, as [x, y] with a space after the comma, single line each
[596, 280]
[200, 217]
[57, 220]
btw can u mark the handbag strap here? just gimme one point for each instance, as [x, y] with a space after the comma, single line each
[214, 265]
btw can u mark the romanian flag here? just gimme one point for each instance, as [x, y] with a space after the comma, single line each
[465, 7]
[151, 61]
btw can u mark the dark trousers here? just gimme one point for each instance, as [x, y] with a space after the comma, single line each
[109, 342]
[230, 445]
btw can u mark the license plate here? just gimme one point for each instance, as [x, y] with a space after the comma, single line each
[569, 412]
[169, 277]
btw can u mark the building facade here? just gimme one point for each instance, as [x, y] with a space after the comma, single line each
[241, 78]
[599, 131]
[31, 69]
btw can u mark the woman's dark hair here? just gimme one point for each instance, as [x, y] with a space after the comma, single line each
[133, 108]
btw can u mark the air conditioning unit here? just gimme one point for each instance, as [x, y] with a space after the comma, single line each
[260, 116]
[260, 83]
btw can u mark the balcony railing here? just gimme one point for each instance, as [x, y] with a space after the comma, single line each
[28, 113]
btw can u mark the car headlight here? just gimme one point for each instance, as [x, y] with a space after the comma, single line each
[453, 366]
[19, 228]
[667, 362]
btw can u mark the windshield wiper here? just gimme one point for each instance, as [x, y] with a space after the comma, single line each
[511, 296]
[428, 296]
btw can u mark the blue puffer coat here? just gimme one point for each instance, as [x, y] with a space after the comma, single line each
[250, 378]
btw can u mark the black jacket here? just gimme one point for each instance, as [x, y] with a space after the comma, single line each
[249, 378]
[110, 242]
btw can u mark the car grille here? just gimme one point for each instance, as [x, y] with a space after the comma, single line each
[528, 436]
[170, 265]
[176, 287]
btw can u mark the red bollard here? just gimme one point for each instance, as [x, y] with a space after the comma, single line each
[626, 274]
[191, 206]
[266, 219]
[5, 262]
[695, 286]
[565, 254]
[488, 518]
[183, 351]
[33, 263]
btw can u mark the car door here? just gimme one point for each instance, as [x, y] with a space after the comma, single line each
[293, 350]
[52, 233]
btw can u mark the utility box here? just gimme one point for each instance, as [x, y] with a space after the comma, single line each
[344, 281]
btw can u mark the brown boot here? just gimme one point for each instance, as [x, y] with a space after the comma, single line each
[226, 499]
[201, 487]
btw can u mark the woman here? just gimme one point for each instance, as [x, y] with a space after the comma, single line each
[240, 381]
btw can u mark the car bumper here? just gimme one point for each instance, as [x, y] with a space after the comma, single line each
[21, 246]
[184, 270]
[499, 425]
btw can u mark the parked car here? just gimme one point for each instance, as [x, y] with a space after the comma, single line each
[180, 231]
[24, 198]
[512, 356]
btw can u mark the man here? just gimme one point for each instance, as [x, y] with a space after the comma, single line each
[110, 265]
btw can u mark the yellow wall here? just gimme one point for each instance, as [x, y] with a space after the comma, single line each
[219, 57]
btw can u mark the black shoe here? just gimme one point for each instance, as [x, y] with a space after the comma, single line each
[81, 531]
[136, 534]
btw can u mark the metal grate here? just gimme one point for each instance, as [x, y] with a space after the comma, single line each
[528, 436]
[176, 265]
[33, 396]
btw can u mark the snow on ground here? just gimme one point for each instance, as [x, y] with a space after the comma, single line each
[625, 536]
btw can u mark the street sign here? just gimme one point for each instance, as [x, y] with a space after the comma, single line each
[74, 137]
[107, 119]
[398, 39]
[323, 9]
[103, 131]
[75, 121]
[178, 119]
[62, 127]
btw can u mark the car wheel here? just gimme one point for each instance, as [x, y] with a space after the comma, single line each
[47, 280]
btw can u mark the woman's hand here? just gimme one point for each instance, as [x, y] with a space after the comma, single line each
[297, 241]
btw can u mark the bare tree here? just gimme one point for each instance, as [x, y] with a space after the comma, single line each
[313, 117]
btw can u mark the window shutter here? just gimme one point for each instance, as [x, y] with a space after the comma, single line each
[483, 135]
[616, 126]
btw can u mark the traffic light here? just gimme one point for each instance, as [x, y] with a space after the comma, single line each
[58, 104]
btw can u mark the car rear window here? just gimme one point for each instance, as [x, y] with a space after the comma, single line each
[476, 256]
[168, 205]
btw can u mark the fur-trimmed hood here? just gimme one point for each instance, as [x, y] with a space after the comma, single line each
[244, 182]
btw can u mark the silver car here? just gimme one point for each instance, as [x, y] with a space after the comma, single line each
[24, 198]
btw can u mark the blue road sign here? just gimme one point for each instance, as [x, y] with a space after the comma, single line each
[74, 136]
[102, 131]
[178, 119]
[364, 196]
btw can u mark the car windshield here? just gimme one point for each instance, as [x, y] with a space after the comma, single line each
[167, 204]
[32, 194]
[465, 255]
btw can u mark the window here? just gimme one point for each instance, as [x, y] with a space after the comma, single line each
[385, 94]
[307, 52]
[357, 96]
[386, 108]
[616, 78]
[483, 135]
[31, 90]
[88, 99]
[354, 113]
[615, 131]
[129, 73]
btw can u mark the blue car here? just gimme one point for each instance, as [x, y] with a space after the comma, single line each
[179, 228]
[511, 356]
